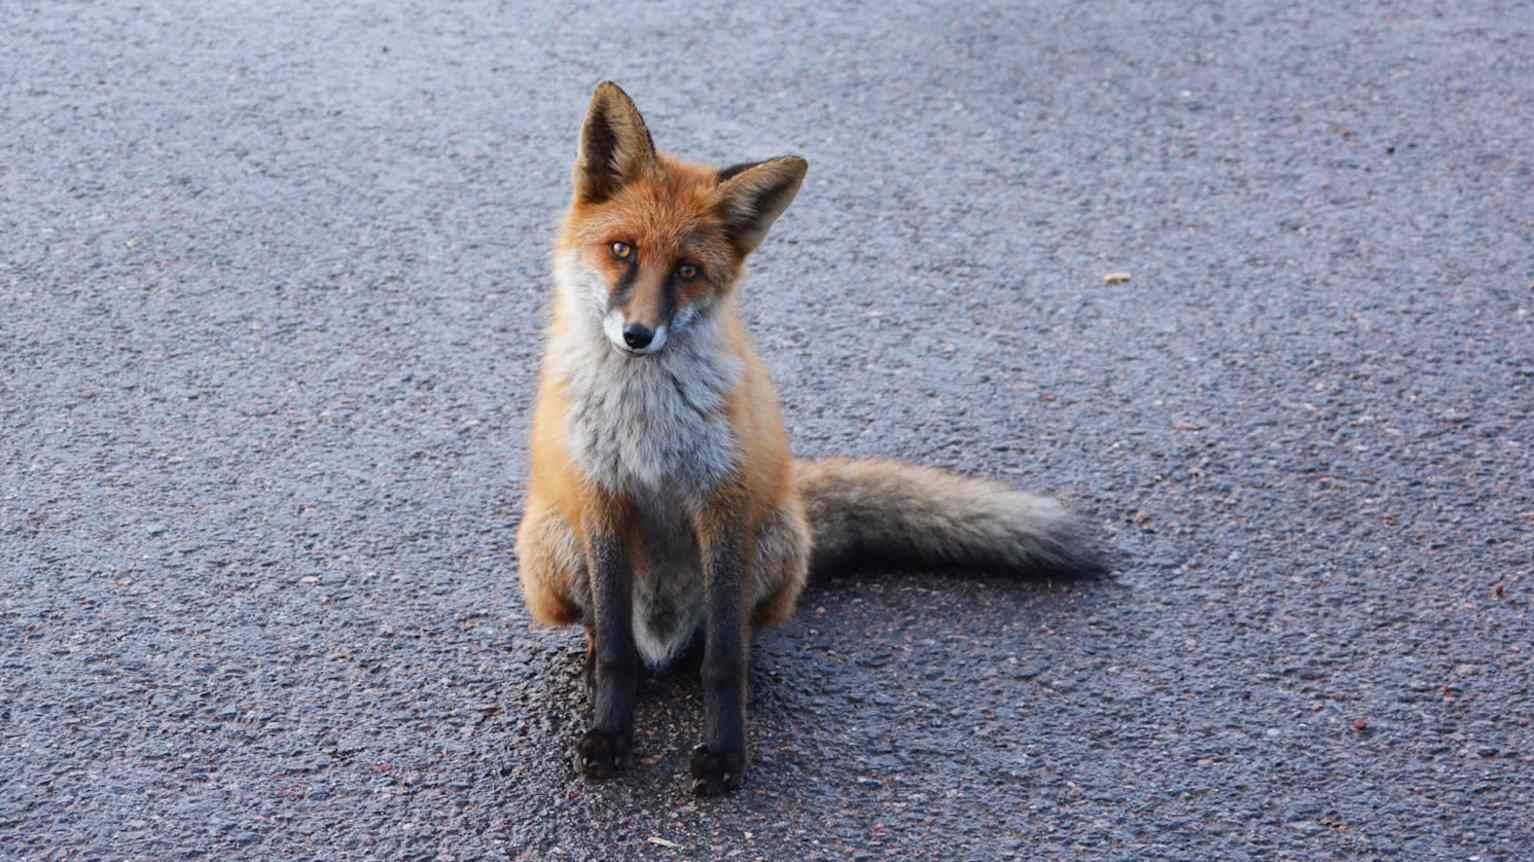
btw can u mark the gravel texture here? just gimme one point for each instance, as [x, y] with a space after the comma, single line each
[271, 280]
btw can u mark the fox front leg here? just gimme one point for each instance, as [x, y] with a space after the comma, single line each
[718, 763]
[614, 661]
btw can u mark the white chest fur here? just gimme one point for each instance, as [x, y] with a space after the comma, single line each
[647, 426]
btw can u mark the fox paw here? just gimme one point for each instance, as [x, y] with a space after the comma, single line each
[602, 755]
[716, 774]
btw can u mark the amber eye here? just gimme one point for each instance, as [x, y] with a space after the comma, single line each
[687, 272]
[622, 250]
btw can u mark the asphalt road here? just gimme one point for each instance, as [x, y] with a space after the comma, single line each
[272, 284]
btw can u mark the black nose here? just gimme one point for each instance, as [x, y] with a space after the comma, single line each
[637, 336]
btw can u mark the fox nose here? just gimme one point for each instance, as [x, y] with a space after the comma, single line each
[637, 336]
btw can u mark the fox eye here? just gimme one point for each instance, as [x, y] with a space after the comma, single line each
[622, 250]
[687, 272]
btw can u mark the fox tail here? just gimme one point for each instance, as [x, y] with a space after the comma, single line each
[904, 515]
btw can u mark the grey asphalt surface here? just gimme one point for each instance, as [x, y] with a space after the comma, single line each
[272, 286]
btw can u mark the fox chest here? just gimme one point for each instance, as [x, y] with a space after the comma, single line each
[646, 431]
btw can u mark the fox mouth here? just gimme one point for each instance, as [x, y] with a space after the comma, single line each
[629, 351]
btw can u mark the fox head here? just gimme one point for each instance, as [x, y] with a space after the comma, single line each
[655, 242]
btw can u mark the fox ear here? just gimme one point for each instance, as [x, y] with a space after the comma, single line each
[752, 196]
[615, 145]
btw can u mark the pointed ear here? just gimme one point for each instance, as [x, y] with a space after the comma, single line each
[752, 196]
[615, 145]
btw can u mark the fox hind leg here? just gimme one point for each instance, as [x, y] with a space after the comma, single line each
[552, 568]
[780, 566]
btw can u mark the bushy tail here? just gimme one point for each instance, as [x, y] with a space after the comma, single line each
[900, 514]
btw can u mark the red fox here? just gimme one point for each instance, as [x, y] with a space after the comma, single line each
[663, 504]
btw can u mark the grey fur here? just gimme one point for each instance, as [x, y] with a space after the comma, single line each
[908, 515]
[668, 582]
[653, 429]
[642, 424]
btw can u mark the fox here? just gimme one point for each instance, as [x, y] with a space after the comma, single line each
[663, 509]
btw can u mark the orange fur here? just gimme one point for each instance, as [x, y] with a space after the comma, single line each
[662, 501]
[557, 489]
[671, 212]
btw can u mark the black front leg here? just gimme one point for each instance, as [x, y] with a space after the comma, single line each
[604, 750]
[717, 764]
